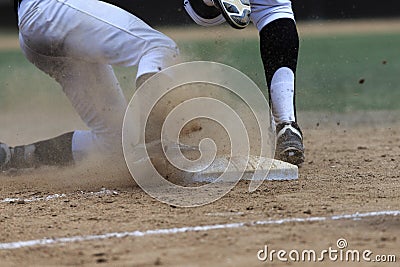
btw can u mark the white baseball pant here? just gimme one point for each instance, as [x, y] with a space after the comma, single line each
[76, 42]
[266, 11]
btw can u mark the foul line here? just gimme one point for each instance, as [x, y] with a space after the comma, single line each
[33, 199]
[170, 231]
[103, 191]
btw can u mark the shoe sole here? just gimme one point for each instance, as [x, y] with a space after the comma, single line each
[292, 155]
[238, 21]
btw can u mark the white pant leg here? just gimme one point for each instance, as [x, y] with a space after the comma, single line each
[95, 94]
[95, 31]
[75, 42]
[266, 11]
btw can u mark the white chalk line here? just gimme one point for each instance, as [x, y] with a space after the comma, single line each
[103, 191]
[171, 231]
[33, 199]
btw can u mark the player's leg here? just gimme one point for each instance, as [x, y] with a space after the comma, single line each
[95, 31]
[279, 45]
[82, 34]
[95, 94]
[122, 39]
[118, 38]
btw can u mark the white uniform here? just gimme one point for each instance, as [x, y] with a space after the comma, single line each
[76, 42]
[266, 11]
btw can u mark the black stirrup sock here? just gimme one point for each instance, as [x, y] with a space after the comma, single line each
[279, 47]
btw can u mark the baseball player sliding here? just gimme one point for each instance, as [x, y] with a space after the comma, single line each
[279, 45]
[54, 37]
[76, 42]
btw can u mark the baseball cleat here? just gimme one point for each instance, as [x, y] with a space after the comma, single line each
[5, 156]
[289, 143]
[203, 12]
[235, 12]
[15, 158]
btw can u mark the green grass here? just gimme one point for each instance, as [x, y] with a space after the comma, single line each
[328, 78]
[21, 83]
[329, 69]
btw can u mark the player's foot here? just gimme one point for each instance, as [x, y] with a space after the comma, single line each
[289, 144]
[235, 12]
[5, 156]
[56, 151]
[19, 157]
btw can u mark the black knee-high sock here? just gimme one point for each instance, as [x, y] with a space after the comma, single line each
[279, 46]
[55, 151]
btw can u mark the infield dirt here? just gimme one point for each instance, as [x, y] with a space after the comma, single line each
[348, 170]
